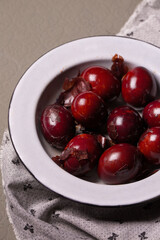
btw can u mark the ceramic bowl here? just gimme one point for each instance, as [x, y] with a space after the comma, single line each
[41, 85]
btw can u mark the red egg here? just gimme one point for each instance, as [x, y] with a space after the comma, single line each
[138, 87]
[57, 125]
[124, 125]
[119, 164]
[102, 81]
[151, 114]
[80, 155]
[89, 110]
[149, 145]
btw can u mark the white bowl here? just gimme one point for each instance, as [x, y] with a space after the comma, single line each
[41, 84]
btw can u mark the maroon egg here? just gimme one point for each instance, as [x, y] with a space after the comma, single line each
[102, 81]
[80, 155]
[119, 164]
[151, 114]
[89, 110]
[149, 145]
[138, 87]
[57, 125]
[124, 125]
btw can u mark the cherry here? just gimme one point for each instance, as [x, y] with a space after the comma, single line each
[124, 125]
[80, 155]
[102, 81]
[57, 125]
[149, 145]
[138, 87]
[89, 110]
[119, 164]
[151, 114]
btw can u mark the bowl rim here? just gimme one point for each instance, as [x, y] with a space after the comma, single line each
[83, 199]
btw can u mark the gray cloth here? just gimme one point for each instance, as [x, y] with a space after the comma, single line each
[38, 213]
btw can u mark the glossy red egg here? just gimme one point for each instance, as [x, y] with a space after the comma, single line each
[124, 125]
[89, 110]
[149, 145]
[151, 114]
[57, 125]
[81, 154]
[119, 164]
[138, 87]
[102, 81]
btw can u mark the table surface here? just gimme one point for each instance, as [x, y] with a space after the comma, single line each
[31, 28]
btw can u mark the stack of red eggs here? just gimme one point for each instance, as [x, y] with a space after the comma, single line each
[123, 142]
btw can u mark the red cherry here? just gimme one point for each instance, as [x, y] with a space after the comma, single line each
[124, 125]
[138, 87]
[119, 164]
[149, 145]
[151, 114]
[57, 125]
[102, 81]
[80, 155]
[89, 110]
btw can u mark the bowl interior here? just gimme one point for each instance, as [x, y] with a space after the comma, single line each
[51, 93]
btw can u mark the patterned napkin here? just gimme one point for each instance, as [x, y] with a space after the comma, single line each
[40, 214]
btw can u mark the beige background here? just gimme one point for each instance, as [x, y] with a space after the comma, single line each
[29, 28]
